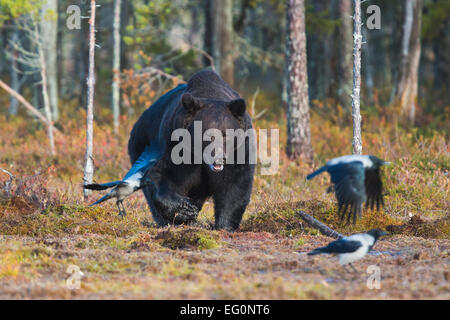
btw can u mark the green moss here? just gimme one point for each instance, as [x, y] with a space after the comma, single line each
[64, 220]
[300, 242]
[187, 237]
[206, 243]
[176, 268]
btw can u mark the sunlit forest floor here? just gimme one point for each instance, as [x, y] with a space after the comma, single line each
[45, 226]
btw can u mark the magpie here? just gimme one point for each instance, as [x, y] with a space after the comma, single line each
[352, 248]
[356, 179]
[133, 181]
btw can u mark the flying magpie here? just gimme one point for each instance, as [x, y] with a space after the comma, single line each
[352, 248]
[133, 181]
[356, 180]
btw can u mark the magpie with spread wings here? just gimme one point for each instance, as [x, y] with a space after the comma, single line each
[133, 181]
[356, 179]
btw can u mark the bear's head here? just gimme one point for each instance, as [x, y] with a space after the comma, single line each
[212, 121]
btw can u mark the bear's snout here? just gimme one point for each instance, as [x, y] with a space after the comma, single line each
[217, 165]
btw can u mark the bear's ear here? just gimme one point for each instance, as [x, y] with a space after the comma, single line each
[237, 107]
[190, 103]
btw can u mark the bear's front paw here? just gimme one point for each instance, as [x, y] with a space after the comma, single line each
[187, 210]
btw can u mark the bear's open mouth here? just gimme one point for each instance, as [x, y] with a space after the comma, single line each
[217, 166]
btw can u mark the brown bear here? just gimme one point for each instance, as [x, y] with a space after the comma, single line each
[178, 190]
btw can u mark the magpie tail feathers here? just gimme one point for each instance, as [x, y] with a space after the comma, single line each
[315, 173]
[103, 186]
[104, 198]
[316, 251]
[95, 186]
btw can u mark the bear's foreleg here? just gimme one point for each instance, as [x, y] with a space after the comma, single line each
[231, 201]
[172, 206]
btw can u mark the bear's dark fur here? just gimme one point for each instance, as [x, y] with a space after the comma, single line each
[178, 192]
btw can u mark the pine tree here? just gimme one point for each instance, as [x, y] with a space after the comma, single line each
[299, 137]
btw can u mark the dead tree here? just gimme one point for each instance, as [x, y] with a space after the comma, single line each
[407, 91]
[116, 66]
[345, 54]
[33, 110]
[36, 62]
[324, 229]
[49, 30]
[356, 92]
[48, 112]
[88, 160]
[299, 136]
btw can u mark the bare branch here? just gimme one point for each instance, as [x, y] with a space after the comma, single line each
[325, 230]
[153, 70]
[27, 105]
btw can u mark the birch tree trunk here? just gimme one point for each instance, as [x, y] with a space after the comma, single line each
[88, 160]
[299, 137]
[43, 70]
[345, 54]
[356, 92]
[49, 32]
[116, 66]
[13, 103]
[409, 68]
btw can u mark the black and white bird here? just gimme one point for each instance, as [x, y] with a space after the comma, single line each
[352, 248]
[133, 181]
[356, 180]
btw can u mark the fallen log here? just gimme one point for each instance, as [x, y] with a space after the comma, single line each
[27, 105]
[325, 230]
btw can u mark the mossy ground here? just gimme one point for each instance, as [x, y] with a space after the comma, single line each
[46, 226]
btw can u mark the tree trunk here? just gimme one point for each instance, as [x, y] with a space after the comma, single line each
[367, 57]
[219, 37]
[345, 54]
[299, 137]
[226, 42]
[44, 84]
[82, 62]
[116, 66]
[13, 103]
[356, 92]
[207, 40]
[441, 65]
[88, 160]
[409, 69]
[49, 32]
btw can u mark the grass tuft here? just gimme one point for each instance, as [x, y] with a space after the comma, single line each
[188, 238]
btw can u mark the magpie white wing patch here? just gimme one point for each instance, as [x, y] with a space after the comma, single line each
[148, 158]
[364, 238]
[367, 163]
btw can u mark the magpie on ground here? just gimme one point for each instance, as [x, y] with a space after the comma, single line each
[356, 179]
[133, 181]
[352, 248]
